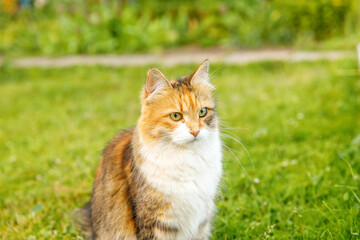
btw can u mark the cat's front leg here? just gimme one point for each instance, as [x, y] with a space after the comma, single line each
[162, 234]
[204, 231]
[157, 230]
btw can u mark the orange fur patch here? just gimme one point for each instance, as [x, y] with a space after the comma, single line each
[183, 98]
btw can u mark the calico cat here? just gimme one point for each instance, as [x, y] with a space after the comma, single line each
[159, 180]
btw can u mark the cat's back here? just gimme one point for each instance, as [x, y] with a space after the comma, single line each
[117, 154]
[110, 203]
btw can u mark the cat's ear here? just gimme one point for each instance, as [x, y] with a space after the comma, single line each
[201, 75]
[155, 81]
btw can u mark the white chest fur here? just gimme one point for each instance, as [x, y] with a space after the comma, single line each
[188, 177]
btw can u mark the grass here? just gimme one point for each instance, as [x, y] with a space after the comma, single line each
[299, 122]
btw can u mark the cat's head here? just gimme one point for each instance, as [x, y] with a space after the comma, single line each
[180, 111]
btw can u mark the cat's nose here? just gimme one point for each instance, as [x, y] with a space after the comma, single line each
[195, 132]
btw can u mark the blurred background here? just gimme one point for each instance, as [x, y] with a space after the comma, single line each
[45, 27]
[289, 108]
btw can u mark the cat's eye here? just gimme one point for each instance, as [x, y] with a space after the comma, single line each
[203, 112]
[176, 116]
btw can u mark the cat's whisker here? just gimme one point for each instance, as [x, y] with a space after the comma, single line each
[238, 152]
[238, 141]
[238, 161]
[215, 71]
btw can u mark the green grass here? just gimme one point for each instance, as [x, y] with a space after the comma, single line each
[300, 123]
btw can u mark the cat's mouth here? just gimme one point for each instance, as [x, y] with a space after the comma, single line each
[185, 141]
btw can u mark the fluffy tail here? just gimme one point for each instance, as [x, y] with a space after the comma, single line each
[82, 218]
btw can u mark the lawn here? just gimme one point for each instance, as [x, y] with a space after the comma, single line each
[300, 123]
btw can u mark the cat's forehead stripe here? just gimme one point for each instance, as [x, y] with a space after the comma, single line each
[180, 102]
[189, 97]
[186, 99]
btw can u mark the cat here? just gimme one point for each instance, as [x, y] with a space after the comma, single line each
[159, 180]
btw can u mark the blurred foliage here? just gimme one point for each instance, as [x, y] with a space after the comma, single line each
[92, 27]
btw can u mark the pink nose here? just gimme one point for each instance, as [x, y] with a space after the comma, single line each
[195, 132]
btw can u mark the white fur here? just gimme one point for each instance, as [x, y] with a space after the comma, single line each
[182, 135]
[187, 171]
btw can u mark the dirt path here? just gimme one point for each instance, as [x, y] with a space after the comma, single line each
[182, 56]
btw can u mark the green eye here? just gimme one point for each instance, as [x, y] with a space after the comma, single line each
[203, 112]
[176, 116]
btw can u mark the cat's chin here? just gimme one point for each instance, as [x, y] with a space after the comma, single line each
[187, 142]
